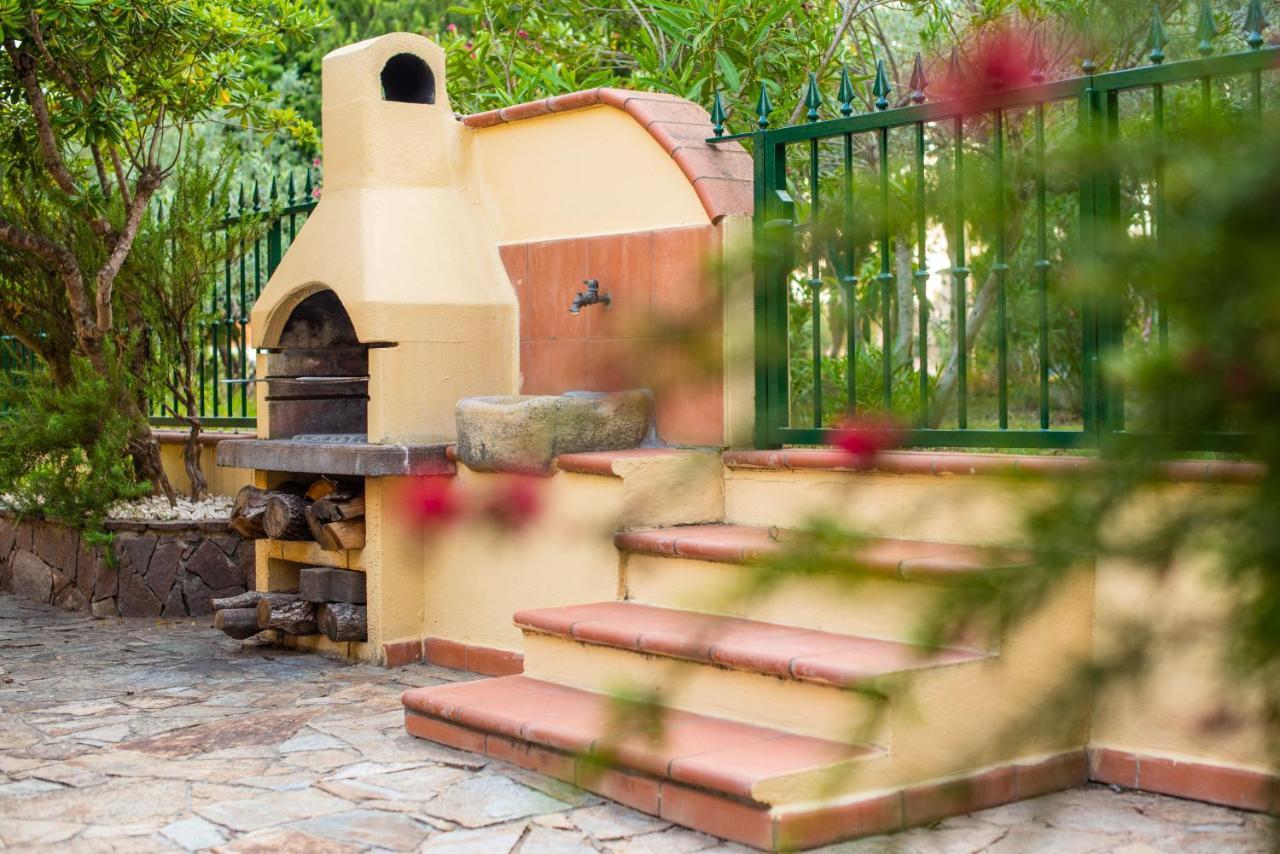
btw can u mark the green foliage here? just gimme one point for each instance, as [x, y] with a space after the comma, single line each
[63, 447]
[179, 253]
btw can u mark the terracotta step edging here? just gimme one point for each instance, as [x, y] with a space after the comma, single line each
[755, 824]
[817, 657]
[1198, 781]
[748, 544]
[602, 462]
[955, 463]
[442, 652]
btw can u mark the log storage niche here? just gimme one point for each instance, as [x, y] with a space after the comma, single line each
[288, 512]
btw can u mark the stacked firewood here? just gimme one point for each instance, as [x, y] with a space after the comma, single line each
[328, 511]
[328, 601]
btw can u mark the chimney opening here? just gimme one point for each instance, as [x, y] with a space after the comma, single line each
[406, 78]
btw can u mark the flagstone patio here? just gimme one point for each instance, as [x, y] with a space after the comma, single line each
[142, 735]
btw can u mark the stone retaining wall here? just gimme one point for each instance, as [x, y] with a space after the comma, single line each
[161, 568]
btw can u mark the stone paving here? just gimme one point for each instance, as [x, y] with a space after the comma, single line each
[144, 735]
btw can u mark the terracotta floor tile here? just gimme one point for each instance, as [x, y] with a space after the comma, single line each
[682, 734]
[560, 620]
[868, 658]
[736, 770]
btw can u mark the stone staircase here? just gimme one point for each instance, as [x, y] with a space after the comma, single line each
[799, 710]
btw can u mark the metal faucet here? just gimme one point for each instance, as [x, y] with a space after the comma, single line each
[590, 296]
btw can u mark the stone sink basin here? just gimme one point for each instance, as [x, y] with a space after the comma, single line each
[525, 433]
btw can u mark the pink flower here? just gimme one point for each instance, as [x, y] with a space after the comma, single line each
[431, 502]
[316, 162]
[515, 502]
[315, 194]
[865, 438]
[451, 28]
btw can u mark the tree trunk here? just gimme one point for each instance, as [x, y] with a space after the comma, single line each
[974, 321]
[342, 621]
[904, 335]
[191, 462]
[144, 449]
[294, 617]
[285, 517]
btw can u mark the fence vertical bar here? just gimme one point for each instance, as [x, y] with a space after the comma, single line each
[885, 278]
[1042, 265]
[960, 277]
[1162, 307]
[921, 275]
[242, 319]
[1114, 224]
[1001, 271]
[273, 232]
[850, 283]
[815, 279]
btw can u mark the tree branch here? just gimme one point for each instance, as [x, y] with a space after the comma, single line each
[24, 65]
[850, 11]
[105, 279]
[64, 261]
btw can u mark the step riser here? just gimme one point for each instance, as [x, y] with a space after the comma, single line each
[822, 711]
[972, 510]
[870, 607]
[806, 827]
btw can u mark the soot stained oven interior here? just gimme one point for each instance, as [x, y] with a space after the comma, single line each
[318, 379]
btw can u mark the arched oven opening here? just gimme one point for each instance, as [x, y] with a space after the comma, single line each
[318, 378]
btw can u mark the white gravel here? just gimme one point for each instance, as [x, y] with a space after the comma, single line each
[157, 507]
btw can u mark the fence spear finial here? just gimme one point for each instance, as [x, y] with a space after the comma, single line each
[1089, 65]
[918, 82]
[1038, 61]
[1254, 23]
[881, 86]
[813, 98]
[1206, 29]
[846, 92]
[717, 115]
[293, 190]
[763, 107]
[1158, 38]
[953, 69]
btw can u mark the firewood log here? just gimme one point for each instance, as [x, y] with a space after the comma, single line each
[247, 510]
[239, 623]
[329, 584]
[342, 621]
[251, 599]
[321, 488]
[337, 510]
[293, 618]
[337, 536]
[285, 517]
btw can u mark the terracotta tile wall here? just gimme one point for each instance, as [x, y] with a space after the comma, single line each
[663, 329]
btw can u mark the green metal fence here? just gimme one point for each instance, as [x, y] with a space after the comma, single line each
[909, 260]
[226, 362]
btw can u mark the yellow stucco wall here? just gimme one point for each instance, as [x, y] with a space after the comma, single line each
[578, 173]
[222, 481]
[1188, 707]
